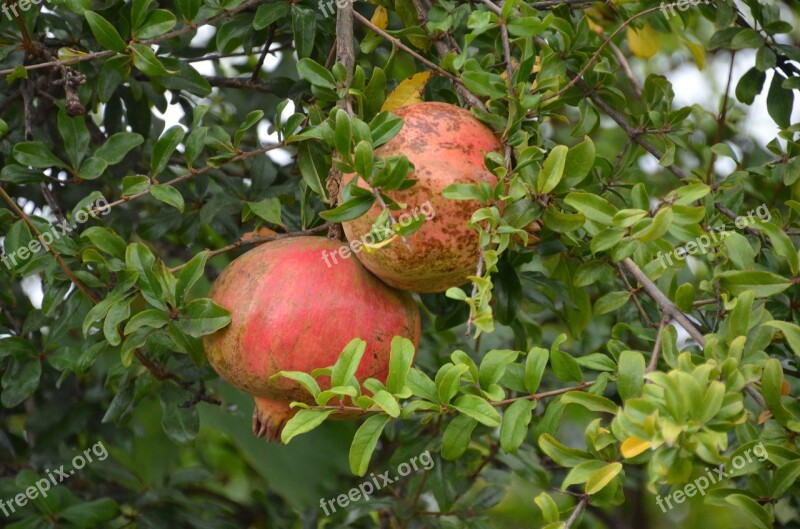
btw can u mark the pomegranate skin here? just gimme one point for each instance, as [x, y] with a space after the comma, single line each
[447, 145]
[292, 312]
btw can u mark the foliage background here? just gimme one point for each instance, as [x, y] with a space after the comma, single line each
[182, 454]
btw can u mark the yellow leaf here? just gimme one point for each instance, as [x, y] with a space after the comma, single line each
[597, 28]
[633, 446]
[644, 42]
[372, 248]
[697, 51]
[407, 92]
[602, 477]
[380, 17]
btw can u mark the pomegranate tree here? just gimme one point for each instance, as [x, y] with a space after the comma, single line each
[447, 145]
[291, 312]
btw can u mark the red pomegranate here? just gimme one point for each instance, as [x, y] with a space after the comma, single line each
[447, 145]
[294, 310]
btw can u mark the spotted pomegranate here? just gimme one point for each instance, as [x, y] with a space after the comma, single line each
[290, 311]
[447, 145]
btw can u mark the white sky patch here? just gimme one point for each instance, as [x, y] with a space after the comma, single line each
[281, 157]
[695, 87]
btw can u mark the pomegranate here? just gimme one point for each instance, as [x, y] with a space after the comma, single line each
[447, 145]
[292, 312]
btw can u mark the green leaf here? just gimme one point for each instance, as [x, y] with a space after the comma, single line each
[564, 366]
[92, 169]
[90, 513]
[771, 389]
[364, 159]
[151, 318]
[269, 13]
[364, 443]
[36, 154]
[114, 150]
[780, 102]
[158, 22]
[144, 58]
[535, 364]
[75, 135]
[268, 209]
[790, 331]
[314, 166]
[764, 284]
[202, 317]
[180, 424]
[106, 241]
[553, 170]
[493, 366]
[304, 421]
[163, 149]
[352, 209]
[315, 73]
[304, 28]
[602, 477]
[630, 377]
[190, 274]
[781, 243]
[516, 420]
[456, 437]
[168, 195]
[304, 379]
[105, 33]
[590, 401]
[610, 302]
[548, 507]
[387, 403]
[448, 380]
[347, 363]
[485, 84]
[189, 8]
[580, 161]
[784, 477]
[20, 380]
[750, 85]
[755, 513]
[563, 455]
[657, 228]
[400, 362]
[479, 409]
[592, 207]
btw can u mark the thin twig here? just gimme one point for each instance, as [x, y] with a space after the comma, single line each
[605, 43]
[721, 117]
[191, 174]
[666, 306]
[256, 240]
[626, 67]
[657, 347]
[635, 297]
[67, 271]
[227, 13]
[264, 53]
[441, 71]
[577, 512]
